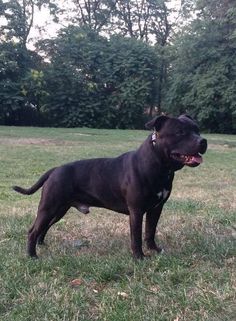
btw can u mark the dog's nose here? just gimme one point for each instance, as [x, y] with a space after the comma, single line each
[203, 145]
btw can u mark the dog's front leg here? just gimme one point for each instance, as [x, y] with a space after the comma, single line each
[136, 221]
[152, 218]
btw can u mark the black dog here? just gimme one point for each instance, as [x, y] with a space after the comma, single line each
[134, 183]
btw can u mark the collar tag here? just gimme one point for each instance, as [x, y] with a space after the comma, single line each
[155, 136]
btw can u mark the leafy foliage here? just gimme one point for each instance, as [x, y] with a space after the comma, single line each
[93, 81]
[147, 20]
[18, 15]
[115, 65]
[203, 75]
[17, 103]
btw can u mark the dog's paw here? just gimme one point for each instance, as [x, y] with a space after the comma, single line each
[33, 257]
[138, 256]
[151, 246]
[41, 243]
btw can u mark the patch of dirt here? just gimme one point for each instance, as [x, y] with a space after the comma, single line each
[35, 141]
[221, 147]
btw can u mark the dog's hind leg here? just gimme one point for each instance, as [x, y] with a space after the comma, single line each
[44, 220]
[60, 213]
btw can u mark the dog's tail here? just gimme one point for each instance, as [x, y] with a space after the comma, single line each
[36, 186]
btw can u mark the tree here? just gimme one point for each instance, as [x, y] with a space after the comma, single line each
[20, 76]
[132, 76]
[203, 73]
[16, 99]
[147, 20]
[76, 61]
[18, 18]
[93, 14]
[96, 82]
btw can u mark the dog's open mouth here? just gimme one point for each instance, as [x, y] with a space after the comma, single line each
[189, 160]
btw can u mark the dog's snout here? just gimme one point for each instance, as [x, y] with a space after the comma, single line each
[203, 145]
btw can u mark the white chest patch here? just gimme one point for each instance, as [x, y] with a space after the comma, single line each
[165, 193]
[162, 195]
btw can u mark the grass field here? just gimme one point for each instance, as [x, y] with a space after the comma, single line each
[86, 272]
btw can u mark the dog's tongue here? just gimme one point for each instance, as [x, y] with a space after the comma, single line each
[197, 159]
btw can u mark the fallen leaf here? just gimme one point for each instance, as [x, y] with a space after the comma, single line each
[76, 282]
[155, 289]
[123, 295]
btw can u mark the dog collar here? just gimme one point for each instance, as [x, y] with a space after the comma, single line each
[155, 136]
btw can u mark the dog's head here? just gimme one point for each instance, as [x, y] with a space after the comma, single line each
[178, 139]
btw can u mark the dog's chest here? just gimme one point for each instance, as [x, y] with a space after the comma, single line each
[161, 197]
[159, 194]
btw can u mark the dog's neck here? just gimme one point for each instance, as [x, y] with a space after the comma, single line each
[154, 170]
[154, 155]
[151, 156]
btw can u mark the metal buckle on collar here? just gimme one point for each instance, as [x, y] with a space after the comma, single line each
[155, 136]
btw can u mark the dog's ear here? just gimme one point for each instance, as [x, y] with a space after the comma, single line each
[187, 119]
[156, 122]
[185, 116]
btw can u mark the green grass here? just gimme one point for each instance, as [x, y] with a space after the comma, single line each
[194, 279]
